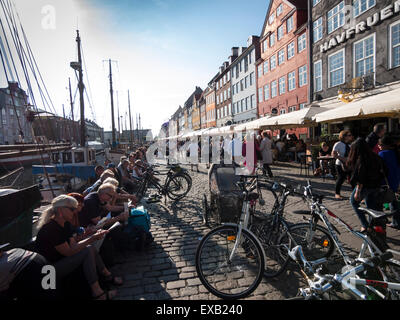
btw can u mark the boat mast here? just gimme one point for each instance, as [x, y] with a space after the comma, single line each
[112, 107]
[130, 121]
[81, 89]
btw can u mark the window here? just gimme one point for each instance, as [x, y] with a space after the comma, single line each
[290, 50]
[360, 6]
[274, 92]
[289, 24]
[264, 46]
[217, 85]
[242, 105]
[229, 92]
[315, 2]
[292, 80]
[229, 109]
[260, 70]
[253, 101]
[364, 56]
[252, 80]
[272, 39]
[336, 68]
[283, 111]
[317, 29]
[302, 75]
[266, 92]
[302, 106]
[281, 56]
[241, 85]
[282, 85]
[233, 90]
[260, 95]
[246, 82]
[3, 115]
[301, 42]
[318, 76]
[291, 109]
[395, 45]
[271, 18]
[273, 62]
[280, 32]
[336, 17]
[265, 67]
[279, 10]
[247, 103]
[225, 95]
[250, 55]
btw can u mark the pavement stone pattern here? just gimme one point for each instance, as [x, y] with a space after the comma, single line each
[166, 270]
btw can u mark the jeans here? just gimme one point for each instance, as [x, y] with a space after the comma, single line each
[341, 178]
[369, 195]
[394, 207]
[267, 168]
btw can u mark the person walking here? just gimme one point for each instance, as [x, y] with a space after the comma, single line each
[368, 172]
[391, 156]
[374, 136]
[266, 153]
[340, 151]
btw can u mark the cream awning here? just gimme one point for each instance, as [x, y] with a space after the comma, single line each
[296, 119]
[379, 105]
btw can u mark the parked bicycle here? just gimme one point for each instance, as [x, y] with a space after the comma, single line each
[176, 185]
[363, 280]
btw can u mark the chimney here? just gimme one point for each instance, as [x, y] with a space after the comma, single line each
[252, 40]
[241, 50]
[221, 69]
[235, 51]
[13, 86]
[226, 65]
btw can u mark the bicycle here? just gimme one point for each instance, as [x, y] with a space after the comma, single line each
[373, 240]
[363, 280]
[276, 234]
[176, 185]
[230, 258]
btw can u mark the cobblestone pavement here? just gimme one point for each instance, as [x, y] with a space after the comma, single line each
[167, 269]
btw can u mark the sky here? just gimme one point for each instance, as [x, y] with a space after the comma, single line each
[161, 50]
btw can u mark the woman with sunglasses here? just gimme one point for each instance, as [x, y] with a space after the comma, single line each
[56, 243]
[341, 151]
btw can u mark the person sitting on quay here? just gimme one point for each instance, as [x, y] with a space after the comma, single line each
[106, 174]
[56, 243]
[21, 275]
[120, 194]
[127, 182]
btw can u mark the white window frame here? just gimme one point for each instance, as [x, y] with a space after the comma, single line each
[361, 12]
[302, 106]
[344, 68]
[274, 85]
[272, 36]
[317, 77]
[289, 26]
[260, 70]
[260, 95]
[292, 109]
[291, 48]
[391, 66]
[273, 58]
[282, 111]
[280, 32]
[281, 56]
[364, 58]
[292, 80]
[302, 39]
[338, 14]
[301, 73]
[266, 90]
[279, 10]
[282, 85]
[318, 34]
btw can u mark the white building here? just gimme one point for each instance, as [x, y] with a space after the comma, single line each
[243, 82]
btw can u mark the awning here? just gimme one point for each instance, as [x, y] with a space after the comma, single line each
[220, 131]
[385, 104]
[296, 119]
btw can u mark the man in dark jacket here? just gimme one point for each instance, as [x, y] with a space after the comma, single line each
[374, 136]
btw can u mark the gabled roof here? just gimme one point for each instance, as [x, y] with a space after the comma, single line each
[195, 95]
[295, 4]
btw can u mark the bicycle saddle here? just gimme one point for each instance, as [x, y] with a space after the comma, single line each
[376, 214]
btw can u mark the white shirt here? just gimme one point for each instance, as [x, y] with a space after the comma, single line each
[340, 148]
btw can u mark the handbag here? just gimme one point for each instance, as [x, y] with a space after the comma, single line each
[386, 194]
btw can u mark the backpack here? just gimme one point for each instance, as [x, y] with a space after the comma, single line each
[139, 228]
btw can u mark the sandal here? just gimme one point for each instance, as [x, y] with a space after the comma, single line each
[117, 281]
[108, 295]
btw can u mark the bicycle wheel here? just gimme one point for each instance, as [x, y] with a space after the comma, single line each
[229, 279]
[269, 232]
[316, 244]
[178, 187]
[391, 273]
[206, 210]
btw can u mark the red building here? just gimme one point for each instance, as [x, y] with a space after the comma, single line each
[282, 71]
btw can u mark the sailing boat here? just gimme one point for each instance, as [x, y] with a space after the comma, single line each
[70, 169]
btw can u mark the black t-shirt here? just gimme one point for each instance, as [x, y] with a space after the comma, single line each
[324, 153]
[50, 236]
[92, 208]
